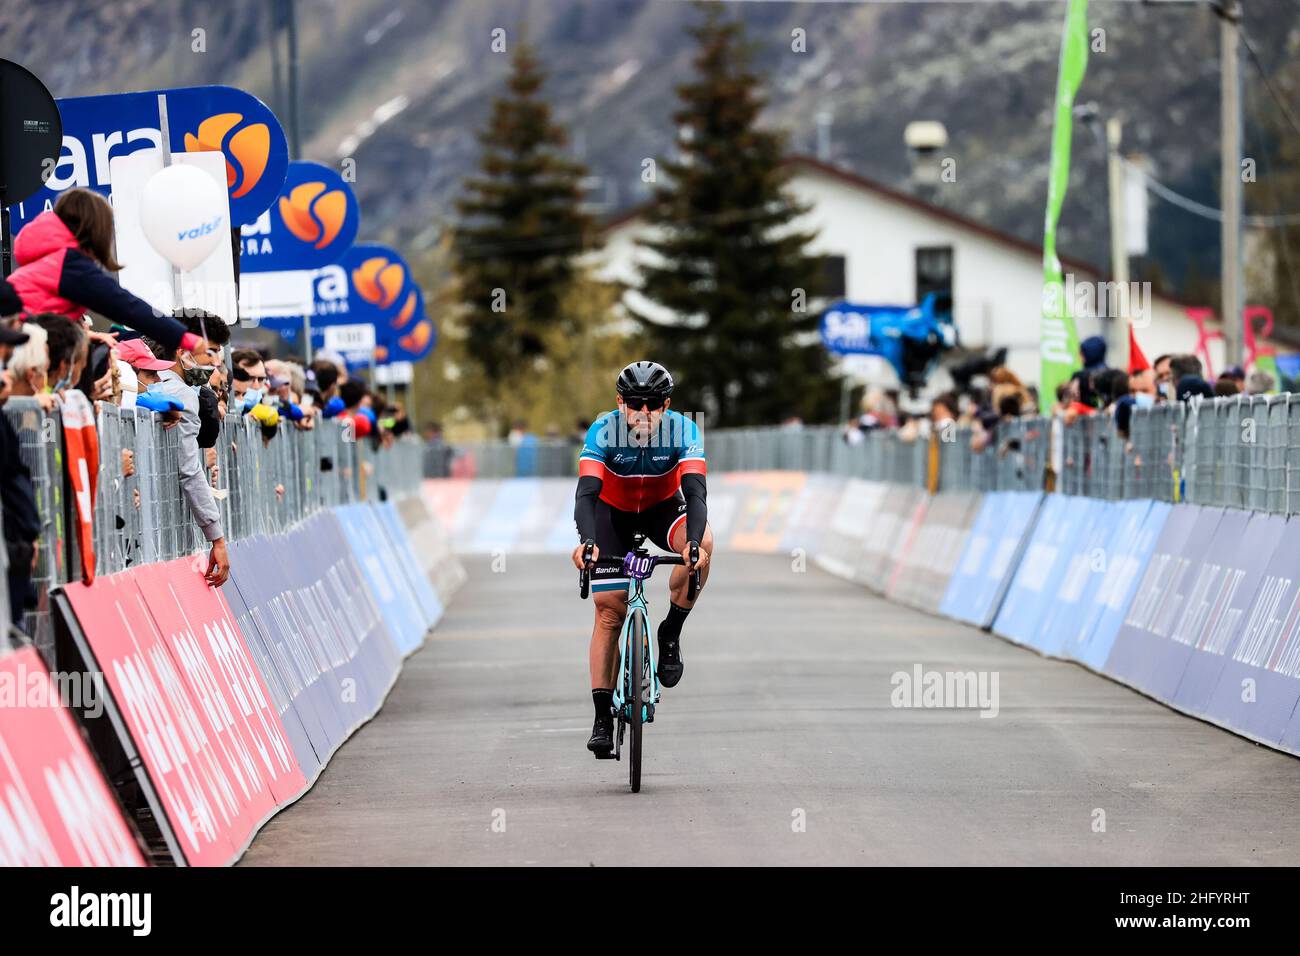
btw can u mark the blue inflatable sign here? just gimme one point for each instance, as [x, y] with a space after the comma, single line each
[311, 224]
[199, 119]
[369, 284]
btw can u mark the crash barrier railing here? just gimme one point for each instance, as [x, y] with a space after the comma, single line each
[1239, 451]
[141, 516]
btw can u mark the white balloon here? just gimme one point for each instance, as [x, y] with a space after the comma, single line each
[183, 215]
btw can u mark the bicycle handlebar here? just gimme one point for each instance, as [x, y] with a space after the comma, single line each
[584, 576]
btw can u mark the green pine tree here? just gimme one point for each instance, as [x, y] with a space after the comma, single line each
[729, 268]
[521, 226]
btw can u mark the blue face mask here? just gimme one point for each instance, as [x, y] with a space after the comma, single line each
[1144, 400]
[252, 397]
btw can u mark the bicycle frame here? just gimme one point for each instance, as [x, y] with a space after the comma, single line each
[636, 604]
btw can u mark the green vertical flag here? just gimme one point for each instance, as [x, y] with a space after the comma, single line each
[1058, 338]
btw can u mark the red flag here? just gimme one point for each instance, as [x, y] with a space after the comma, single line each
[82, 444]
[1137, 362]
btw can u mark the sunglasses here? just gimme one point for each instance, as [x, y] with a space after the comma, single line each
[649, 402]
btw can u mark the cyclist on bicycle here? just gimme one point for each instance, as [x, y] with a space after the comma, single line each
[641, 470]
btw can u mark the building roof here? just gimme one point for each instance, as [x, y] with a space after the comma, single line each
[848, 177]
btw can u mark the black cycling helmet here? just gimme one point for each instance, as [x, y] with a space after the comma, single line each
[645, 379]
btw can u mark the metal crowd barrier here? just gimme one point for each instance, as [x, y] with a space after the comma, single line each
[1241, 451]
[262, 486]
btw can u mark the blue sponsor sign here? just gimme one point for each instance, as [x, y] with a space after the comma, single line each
[369, 284]
[311, 224]
[199, 118]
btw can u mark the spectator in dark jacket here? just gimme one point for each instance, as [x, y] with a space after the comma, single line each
[65, 257]
[1190, 385]
[22, 523]
[1093, 352]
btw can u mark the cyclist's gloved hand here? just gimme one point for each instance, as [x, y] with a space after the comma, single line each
[578, 551]
[703, 561]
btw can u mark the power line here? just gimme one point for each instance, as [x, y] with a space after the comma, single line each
[1207, 212]
[1263, 75]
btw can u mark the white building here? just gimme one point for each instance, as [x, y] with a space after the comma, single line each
[891, 248]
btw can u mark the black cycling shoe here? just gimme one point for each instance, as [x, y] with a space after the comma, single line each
[671, 664]
[602, 736]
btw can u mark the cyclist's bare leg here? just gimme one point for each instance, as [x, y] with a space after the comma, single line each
[611, 608]
[677, 583]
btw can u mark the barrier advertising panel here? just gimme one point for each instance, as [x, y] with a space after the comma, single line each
[1259, 684]
[55, 809]
[239, 722]
[1046, 557]
[1127, 554]
[1213, 618]
[762, 521]
[163, 719]
[1144, 655]
[989, 557]
[1084, 567]
[284, 695]
[310, 677]
[847, 528]
[922, 579]
[811, 514]
[409, 564]
[379, 566]
[887, 532]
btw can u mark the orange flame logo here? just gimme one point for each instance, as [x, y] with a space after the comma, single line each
[408, 309]
[313, 214]
[378, 281]
[418, 337]
[249, 147]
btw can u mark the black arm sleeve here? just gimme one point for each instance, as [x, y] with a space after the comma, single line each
[86, 284]
[584, 506]
[697, 509]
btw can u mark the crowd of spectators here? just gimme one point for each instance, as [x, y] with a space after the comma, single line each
[1095, 389]
[181, 367]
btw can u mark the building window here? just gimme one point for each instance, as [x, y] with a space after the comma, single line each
[934, 274]
[831, 283]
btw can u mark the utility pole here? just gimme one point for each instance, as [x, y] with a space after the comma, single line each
[291, 34]
[1118, 305]
[1234, 299]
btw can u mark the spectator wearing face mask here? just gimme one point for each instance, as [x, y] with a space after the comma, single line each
[67, 344]
[248, 378]
[29, 365]
[200, 371]
[163, 374]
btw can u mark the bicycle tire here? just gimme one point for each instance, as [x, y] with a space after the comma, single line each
[636, 700]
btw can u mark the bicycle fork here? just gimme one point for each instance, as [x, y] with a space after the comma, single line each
[625, 664]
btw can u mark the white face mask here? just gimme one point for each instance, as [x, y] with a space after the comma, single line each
[1144, 400]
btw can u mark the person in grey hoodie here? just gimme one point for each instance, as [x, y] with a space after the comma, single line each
[176, 376]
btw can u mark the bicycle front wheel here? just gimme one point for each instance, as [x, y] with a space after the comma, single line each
[637, 694]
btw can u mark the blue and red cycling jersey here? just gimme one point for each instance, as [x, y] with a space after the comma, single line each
[636, 477]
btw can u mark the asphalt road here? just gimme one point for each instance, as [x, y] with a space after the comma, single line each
[780, 746]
